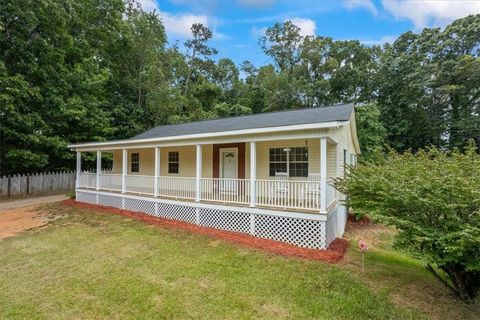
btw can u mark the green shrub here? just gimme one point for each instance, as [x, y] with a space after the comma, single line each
[433, 199]
[71, 194]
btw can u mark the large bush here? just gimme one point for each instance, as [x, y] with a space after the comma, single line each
[433, 199]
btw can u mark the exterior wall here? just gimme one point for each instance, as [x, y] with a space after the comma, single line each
[187, 158]
[146, 156]
[117, 161]
[331, 160]
[263, 155]
[343, 137]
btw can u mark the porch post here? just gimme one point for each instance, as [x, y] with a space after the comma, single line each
[157, 171]
[124, 170]
[323, 175]
[99, 168]
[199, 173]
[79, 168]
[253, 173]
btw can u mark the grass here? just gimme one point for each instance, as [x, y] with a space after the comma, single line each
[91, 265]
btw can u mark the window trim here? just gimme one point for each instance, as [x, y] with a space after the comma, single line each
[135, 162]
[289, 161]
[173, 162]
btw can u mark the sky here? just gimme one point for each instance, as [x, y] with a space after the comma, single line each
[238, 24]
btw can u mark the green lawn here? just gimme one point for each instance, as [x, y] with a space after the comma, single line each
[90, 265]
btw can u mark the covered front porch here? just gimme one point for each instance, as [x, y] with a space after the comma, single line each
[291, 175]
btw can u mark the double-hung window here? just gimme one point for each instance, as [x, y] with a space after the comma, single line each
[173, 162]
[135, 162]
[293, 160]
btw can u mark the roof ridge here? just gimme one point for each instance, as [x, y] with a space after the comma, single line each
[247, 115]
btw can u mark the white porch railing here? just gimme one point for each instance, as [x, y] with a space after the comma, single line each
[87, 180]
[288, 194]
[285, 194]
[225, 190]
[177, 187]
[139, 184]
[110, 182]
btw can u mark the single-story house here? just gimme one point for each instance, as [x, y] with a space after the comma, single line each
[268, 174]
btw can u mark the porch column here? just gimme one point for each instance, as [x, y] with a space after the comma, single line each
[253, 173]
[199, 173]
[99, 168]
[323, 175]
[79, 168]
[157, 171]
[124, 170]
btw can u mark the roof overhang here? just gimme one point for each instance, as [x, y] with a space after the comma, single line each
[119, 143]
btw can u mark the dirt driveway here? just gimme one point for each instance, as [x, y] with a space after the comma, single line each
[21, 215]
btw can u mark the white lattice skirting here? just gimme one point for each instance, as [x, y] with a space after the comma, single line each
[300, 229]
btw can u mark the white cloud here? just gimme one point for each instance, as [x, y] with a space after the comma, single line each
[177, 25]
[307, 26]
[423, 13]
[258, 32]
[360, 4]
[149, 5]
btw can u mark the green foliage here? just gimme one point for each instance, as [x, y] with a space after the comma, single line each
[429, 87]
[432, 198]
[81, 70]
[370, 130]
[224, 110]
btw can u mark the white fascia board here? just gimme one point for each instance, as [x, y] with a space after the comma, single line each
[125, 143]
[219, 140]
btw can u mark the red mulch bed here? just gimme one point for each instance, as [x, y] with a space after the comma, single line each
[333, 254]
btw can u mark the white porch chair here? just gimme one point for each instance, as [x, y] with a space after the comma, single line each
[311, 190]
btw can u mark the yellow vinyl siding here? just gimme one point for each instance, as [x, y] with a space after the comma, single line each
[331, 160]
[146, 157]
[187, 158]
[117, 161]
[263, 155]
[339, 139]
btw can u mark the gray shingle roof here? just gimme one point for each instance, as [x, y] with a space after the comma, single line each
[261, 120]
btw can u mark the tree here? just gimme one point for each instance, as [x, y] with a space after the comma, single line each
[198, 47]
[137, 61]
[52, 80]
[224, 110]
[428, 87]
[282, 43]
[432, 198]
[371, 132]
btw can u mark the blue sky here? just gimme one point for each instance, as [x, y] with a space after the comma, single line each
[237, 24]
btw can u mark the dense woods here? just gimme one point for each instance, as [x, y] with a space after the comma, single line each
[83, 70]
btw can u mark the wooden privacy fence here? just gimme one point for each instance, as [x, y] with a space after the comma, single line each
[36, 184]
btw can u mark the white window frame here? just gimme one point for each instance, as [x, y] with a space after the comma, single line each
[137, 162]
[173, 162]
[288, 149]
